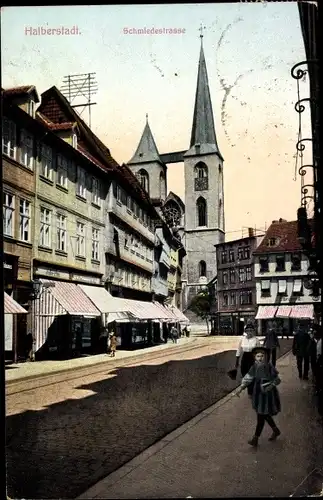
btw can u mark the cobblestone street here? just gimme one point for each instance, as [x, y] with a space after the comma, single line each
[67, 435]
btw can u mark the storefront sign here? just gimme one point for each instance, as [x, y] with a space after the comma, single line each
[52, 273]
[85, 279]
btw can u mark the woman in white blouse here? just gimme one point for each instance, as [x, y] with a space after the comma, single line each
[248, 341]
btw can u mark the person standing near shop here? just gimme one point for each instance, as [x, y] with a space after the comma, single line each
[301, 350]
[113, 344]
[248, 341]
[271, 343]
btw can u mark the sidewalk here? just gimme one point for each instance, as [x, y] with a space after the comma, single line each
[19, 371]
[209, 456]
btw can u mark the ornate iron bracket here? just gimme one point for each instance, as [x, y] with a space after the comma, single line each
[299, 73]
[300, 146]
[299, 107]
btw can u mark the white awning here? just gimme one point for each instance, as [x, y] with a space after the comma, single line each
[103, 300]
[266, 312]
[180, 317]
[283, 311]
[141, 310]
[303, 311]
[282, 286]
[265, 284]
[11, 306]
[297, 286]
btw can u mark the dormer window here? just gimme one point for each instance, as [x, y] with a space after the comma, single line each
[31, 108]
[74, 141]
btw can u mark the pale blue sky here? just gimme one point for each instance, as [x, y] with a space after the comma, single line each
[256, 125]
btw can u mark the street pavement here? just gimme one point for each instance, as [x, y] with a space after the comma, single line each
[208, 457]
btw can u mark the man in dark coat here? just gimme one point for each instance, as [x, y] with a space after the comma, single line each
[301, 349]
[271, 343]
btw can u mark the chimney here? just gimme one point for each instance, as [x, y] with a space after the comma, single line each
[251, 232]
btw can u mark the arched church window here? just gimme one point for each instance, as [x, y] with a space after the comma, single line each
[201, 207]
[172, 214]
[202, 268]
[201, 177]
[162, 186]
[144, 179]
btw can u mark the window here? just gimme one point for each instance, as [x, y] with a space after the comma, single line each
[45, 227]
[162, 186]
[119, 193]
[27, 149]
[24, 220]
[81, 182]
[298, 287]
[264, 264]
[129, 202]
[201, 212]
[9, 138]
[95, 244]
[74, 141]
[225, 278]
[240, 253]
[233, 298]
[296, 262]
[265, 288]
[144, 179]
[80, 239]
[280, 263]
[61, 171]
[224, 257]
[8, 214]
[231, 255]
[225, 300]
[246, 253]
[46, 162]
[246, 297]
[126, 240]
[242, 275]
[31, 108]
[201, 177]
[282, 287]
[172, 213]
[232, 276]
[95, 191]
[248, 274]
[202, 268]
[61, 233]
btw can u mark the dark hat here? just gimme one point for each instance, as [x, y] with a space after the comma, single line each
[265, 350]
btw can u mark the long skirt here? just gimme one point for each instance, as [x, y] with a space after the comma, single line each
[265, 403]
[247, 361]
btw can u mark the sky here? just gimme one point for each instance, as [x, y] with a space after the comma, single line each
[250, 48]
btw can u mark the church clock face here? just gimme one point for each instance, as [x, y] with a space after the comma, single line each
[172, 214]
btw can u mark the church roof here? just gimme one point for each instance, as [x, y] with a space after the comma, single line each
[203, 129]
[174, 197]
[147, 150]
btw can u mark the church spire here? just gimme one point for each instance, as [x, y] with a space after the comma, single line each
[147, 150]
[203, 130]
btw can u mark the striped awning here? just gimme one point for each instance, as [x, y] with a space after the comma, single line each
[104, 301]
[72, 298]
[11, 306]
[266, 312]
[302, 311]
[283, 311]
[180, 317]
[142, 310]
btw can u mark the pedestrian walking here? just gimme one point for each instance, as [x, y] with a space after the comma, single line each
[263, 376]
[29, 347]
[113, 344]
[301, 349]
[248, 341]
[174, 334]
[271, 342]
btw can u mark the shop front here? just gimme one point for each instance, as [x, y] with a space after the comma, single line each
[65, 321]
[285, 319]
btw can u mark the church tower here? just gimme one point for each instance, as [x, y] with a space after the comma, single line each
[147, 165]
[204, 199]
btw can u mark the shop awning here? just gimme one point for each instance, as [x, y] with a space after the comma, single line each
[140, 310]
[165, 314]
[302, 311]
[266, 312]
[11, 306]
[104, 301]
[72, 298]
[180, 317]
[283, 311]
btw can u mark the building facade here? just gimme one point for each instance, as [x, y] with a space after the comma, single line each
[236, 285]
[282, 275]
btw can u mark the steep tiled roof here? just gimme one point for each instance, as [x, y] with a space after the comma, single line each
[283, 235]
[62, 126]
[20, 91]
